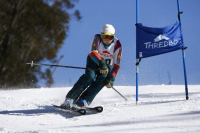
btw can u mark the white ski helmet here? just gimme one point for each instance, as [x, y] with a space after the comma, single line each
[108, 29]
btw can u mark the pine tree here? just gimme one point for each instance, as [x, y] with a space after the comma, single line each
[31, 30]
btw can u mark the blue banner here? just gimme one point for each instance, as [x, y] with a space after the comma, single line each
[155, 41]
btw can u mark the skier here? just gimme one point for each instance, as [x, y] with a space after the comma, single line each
[103, 63]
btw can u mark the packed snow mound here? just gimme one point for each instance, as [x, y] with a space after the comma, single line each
[161, 109]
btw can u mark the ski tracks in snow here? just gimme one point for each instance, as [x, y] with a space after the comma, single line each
[160, 109]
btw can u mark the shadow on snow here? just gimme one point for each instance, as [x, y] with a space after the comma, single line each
[40, 111]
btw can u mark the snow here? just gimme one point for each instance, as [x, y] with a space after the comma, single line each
[161, 109]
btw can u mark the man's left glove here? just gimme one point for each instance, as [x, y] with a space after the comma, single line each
[108, 82]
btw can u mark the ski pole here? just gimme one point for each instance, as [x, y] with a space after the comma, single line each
[35, 64]
[119, 93]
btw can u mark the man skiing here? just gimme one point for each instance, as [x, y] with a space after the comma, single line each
[103, 63]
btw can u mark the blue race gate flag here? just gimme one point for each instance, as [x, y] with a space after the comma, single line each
[155, 41]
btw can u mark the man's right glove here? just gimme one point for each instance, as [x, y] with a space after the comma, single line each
[103, 67]
[108, 82]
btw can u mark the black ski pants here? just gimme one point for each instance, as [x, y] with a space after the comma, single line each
[89, 84]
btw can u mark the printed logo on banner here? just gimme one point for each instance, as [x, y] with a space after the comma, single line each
[161, 37]
[140, 54]
[160, 41]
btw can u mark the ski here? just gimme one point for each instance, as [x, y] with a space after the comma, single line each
[73, 109]
[97, 109]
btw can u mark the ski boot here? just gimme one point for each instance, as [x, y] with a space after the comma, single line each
[82, 103]
[68, 103]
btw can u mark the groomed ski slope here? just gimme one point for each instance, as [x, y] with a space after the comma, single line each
[161, 109]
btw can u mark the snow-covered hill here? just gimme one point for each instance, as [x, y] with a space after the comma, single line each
[161, 109]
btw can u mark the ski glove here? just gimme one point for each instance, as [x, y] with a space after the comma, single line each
[109, 80]
[103, 67]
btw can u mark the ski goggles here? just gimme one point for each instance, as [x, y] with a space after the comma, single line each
[106, 36]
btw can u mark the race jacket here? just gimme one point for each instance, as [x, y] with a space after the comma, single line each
[111, 53]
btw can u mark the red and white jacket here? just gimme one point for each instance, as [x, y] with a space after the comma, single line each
[111, 53]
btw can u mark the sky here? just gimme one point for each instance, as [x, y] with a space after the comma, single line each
[122, 15]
